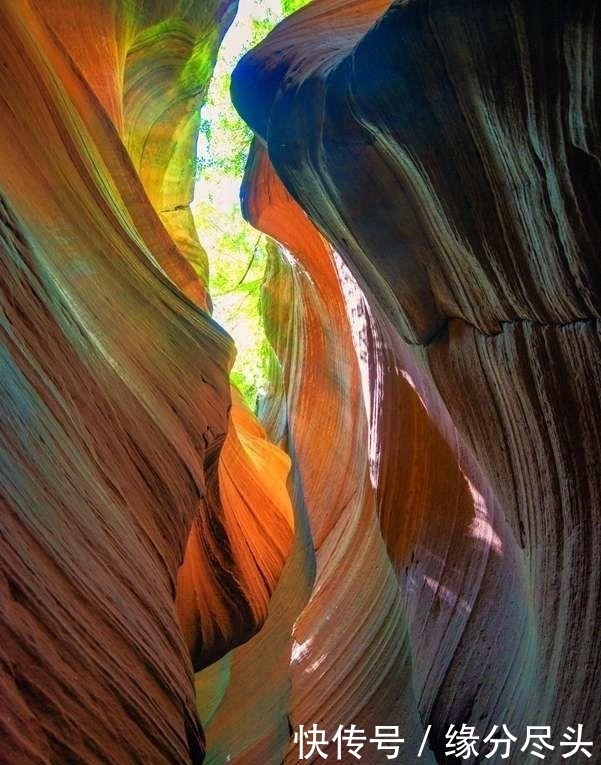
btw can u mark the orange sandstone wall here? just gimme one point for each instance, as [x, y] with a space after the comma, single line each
[121, 457]
[411, 535]
[449, 152]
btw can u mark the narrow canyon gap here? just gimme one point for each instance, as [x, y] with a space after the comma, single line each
[410, 535]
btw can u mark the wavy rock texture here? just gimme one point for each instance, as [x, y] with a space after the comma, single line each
[121, 457]
[450, 152]
[415, 523]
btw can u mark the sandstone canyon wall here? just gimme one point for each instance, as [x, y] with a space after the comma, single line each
[449, 152]
[131, 552]
[410, 536]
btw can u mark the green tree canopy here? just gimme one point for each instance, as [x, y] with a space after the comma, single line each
[236, 251]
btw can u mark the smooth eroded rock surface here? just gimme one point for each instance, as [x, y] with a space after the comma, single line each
[120, 456]
[450, 154]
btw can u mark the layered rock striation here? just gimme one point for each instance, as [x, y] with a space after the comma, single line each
[410, 536]
[131, 552]
[449, 152]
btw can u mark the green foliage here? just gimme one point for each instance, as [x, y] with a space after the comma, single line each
[236, 251]
[289, 6]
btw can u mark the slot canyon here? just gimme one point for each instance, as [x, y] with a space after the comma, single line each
[406, 535]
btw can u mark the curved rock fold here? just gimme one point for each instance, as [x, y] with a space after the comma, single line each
[408, 532]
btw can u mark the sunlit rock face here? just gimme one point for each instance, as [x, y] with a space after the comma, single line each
[410, 537]
[437, 322]
[144, 518]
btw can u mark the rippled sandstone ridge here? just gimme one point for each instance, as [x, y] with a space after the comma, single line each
[410, 536]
